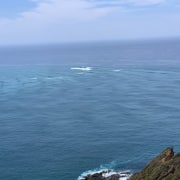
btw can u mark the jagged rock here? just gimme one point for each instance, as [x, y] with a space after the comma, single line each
[107, 175]
[166, 166]
[98, 176]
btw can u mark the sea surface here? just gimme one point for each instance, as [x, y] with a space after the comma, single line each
[72, 108]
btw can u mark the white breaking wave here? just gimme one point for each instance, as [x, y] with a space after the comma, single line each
[117, 70]
[82, 68]
[124, 175]
[54, 78]
[34, 78]
[49, 78]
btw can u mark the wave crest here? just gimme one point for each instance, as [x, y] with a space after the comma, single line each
[106, 173]
[82, 68]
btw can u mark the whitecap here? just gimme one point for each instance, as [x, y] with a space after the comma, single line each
[124, 175]
[117, 70]
[82, 68]
[54, 78]
[34, 78]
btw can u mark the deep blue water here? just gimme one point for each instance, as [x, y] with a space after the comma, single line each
[57, 122]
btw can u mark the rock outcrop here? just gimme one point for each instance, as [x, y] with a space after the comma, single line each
[107, 175]
[166, 166]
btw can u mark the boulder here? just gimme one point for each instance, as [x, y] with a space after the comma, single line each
[108, 175]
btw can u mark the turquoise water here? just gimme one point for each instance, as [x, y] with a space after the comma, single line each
[57, 122]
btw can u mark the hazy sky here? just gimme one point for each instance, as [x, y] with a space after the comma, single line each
[53, 21]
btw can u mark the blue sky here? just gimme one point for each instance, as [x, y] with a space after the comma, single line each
[54, 21]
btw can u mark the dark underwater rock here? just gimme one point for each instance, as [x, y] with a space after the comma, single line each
[165, 166]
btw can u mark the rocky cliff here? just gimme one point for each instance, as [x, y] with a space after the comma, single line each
[165, 166]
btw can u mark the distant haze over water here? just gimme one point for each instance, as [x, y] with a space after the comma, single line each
[131, 53]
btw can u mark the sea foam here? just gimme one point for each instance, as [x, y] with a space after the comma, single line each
[117, 70]
[124, 175]
[82, 68]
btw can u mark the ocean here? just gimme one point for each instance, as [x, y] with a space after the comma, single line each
[68, 109]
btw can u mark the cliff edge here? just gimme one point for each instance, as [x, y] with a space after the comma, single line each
[165, 166]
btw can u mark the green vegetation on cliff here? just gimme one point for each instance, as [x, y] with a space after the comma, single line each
[166, 166]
